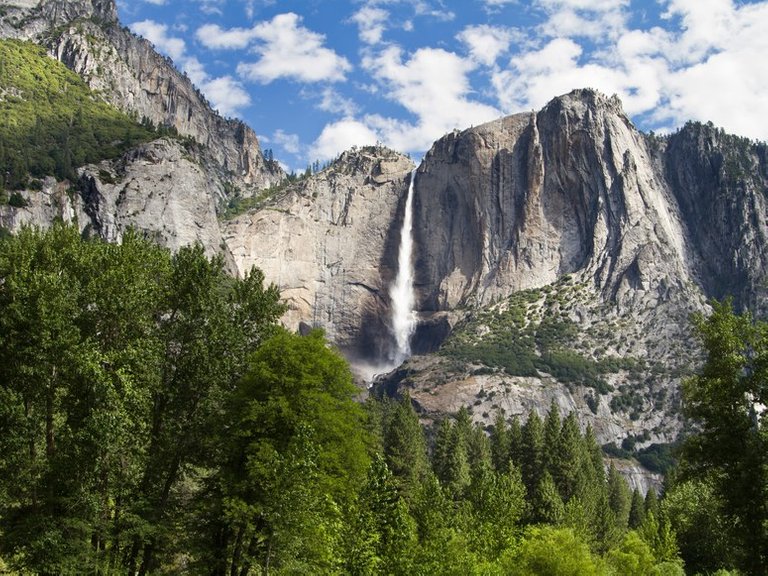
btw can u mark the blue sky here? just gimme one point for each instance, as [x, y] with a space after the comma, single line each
[314, 78]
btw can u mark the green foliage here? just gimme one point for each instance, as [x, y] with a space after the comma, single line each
[551, 551]
[730, 450]
[52, 122]
[529, 333]
[154, 419]
[117, 364]
[704, 532]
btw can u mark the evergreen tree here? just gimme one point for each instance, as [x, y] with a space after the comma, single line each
[568, 463]
[515, 441]
[478, 450]
[450, 459]
[619, 498]
[532, 452]
[501, 443]
[405, 448]
[552, 428]
[731, 448]
[651, 502]
[636, 510]
[385, 525]
[546, 504]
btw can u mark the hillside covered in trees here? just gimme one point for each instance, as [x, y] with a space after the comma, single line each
[155, 419]
[52, 122]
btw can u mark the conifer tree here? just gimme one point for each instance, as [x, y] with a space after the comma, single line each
[532, 452]
[568, 469]
[619, 498]
[651, 502]
[501, 443]
[405, 448]
[552, 428]
[636, 510]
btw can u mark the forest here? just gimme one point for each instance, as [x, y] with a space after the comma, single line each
[155, 418]
[52, 122]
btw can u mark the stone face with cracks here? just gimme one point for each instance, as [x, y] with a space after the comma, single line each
[330, 244]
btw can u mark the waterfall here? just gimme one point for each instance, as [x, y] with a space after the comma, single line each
[401, 292]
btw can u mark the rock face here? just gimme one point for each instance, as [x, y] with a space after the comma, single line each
[127, 72]
[330, 244]
[519, 202]
[649, 228]
[163, 189]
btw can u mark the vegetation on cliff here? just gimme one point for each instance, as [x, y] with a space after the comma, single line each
[52, 122]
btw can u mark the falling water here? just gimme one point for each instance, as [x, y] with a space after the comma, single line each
[401, 293]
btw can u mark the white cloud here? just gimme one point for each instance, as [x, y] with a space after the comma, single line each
[371, 23]
[335, 103]
[157, 33]
[432, 85]
[156, 2]
[289, 50]
[225, 93]
[289, 142]
[486, 43]
[213, 36]
[439, 11]
[729, 84]
[702, 67]
[341, 135]
[595, 19]
[211, 7]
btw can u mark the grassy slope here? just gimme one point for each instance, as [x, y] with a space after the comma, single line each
[50, 122]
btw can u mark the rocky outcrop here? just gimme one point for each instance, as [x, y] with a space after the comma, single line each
[163, 189]
[167, 189]
[649, 229]
[330, 244]
[519, 202]
[128, 73]
[720, 182]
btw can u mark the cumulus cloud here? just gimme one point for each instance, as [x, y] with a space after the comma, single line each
[700, 66]
[341, 135]
[157, 33]
[371, 23]
[486, 43]
[286, 49]
[225, 93]
[335, 103]
[214, 36]
[432, 85]
[289, 142]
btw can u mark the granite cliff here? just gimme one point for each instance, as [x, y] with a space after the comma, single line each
[569, 251]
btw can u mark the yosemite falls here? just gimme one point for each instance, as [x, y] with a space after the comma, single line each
[401, 292]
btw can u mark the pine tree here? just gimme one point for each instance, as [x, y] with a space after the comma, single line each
[651, 502]
[450, 459]
[552, 427]
[501, 443]
[619, 498]
[405, 448]
[636, 510]
[532, 452]
[515, 441]
[547, 506]
[569, 459]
